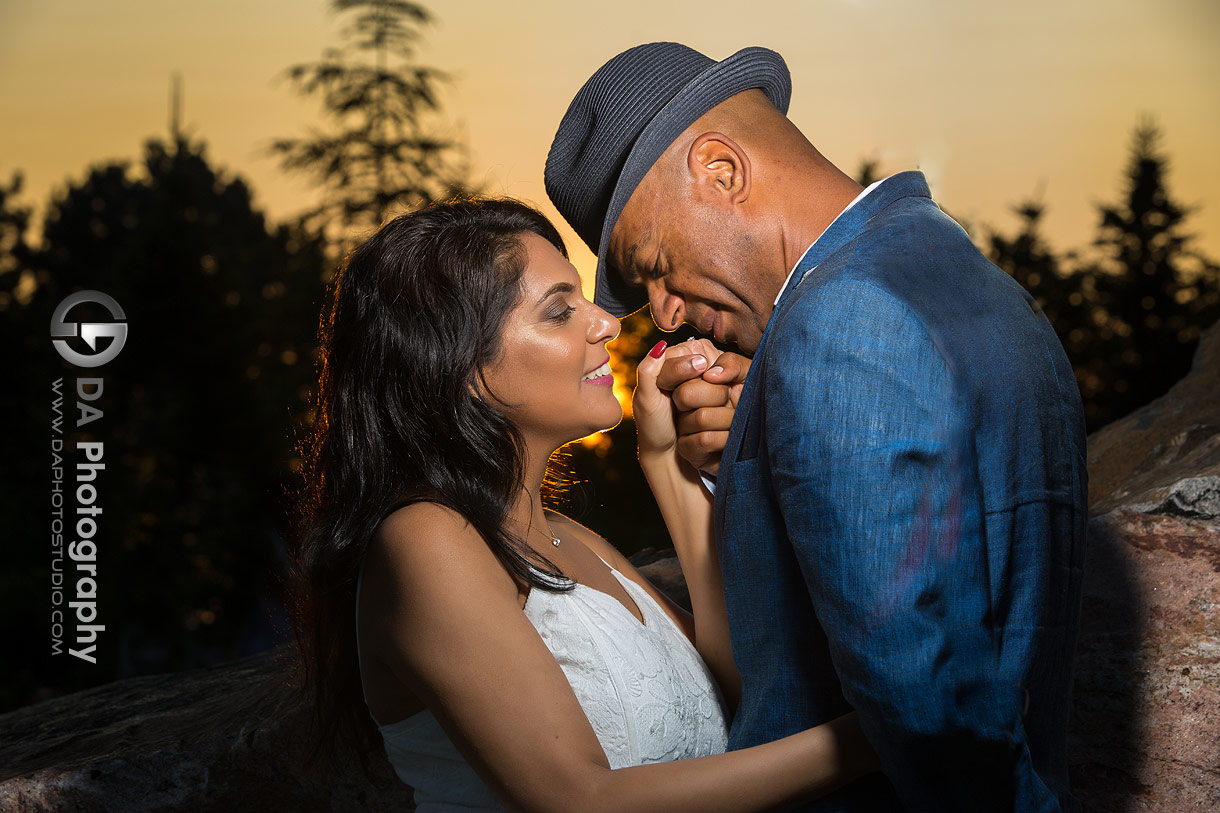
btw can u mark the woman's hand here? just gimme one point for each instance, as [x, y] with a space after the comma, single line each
[653, 410]
[653, 407]
[701, 384]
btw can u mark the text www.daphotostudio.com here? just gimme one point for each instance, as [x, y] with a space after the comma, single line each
[75, 508]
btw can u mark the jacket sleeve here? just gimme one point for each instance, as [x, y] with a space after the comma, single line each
[873, 468]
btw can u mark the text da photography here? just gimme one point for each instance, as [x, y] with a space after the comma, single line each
[77, 459]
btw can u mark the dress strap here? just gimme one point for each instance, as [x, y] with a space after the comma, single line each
[604, 562]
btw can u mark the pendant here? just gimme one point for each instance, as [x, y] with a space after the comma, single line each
[555, 541]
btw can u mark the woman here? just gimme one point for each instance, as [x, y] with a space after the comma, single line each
[505, 652]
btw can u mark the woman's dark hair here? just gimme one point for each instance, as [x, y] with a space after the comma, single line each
[414, 317]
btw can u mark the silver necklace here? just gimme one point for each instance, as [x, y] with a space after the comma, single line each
[549, 535]
[554, 539]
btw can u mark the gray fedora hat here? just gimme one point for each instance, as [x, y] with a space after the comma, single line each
[620, 122]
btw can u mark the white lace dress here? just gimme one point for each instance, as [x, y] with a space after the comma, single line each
[646, 692]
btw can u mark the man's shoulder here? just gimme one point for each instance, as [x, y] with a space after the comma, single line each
[841, 299]
[902, 267]
[909, 233]
[899, 281]
[837, 300]
[847, 314]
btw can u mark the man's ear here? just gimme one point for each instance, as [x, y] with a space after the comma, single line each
[719, 162]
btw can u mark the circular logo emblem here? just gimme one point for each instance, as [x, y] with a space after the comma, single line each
[89, 331]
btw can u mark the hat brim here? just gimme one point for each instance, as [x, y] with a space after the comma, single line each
[747, 69]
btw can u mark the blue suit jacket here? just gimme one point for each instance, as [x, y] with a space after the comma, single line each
[900, 512]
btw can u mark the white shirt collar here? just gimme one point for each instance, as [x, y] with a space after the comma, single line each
[856, 200]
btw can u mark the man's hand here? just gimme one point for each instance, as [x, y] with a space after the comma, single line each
[705, 385]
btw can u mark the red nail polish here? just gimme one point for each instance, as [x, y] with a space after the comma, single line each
[658, 350]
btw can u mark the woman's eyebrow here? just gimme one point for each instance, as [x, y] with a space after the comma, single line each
[559, 287]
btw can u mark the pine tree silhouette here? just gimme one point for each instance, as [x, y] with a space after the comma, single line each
[381, 151]
[1130, 317]
[199, 409]
[1157, 291]
[14, 250]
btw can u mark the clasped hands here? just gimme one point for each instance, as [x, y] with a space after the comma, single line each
[684, 401]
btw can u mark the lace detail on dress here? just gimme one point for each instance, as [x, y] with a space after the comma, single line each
[646, 692]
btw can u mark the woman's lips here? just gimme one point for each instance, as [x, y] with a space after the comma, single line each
[601, 376]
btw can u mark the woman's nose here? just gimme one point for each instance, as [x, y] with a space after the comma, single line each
[604, 326]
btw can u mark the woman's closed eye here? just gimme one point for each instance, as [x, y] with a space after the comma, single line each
[561, 314]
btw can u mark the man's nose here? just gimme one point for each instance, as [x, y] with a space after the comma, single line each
[668, 310]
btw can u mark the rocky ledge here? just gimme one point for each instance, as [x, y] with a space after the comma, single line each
[1146, 714]
[1146, 711]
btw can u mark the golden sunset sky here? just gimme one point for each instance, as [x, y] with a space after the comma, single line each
[995, 102]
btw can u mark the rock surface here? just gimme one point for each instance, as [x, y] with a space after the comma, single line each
[1167, 451]
[226, 738]
[1146, 715]
[1146, 711]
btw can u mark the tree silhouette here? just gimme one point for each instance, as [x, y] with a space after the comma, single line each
[1158, 292]
[198, 409]
[1130, 318]
[23, 404]
[14, 224]
[381, 151]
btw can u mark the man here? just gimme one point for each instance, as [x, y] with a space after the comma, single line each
[900, 503]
